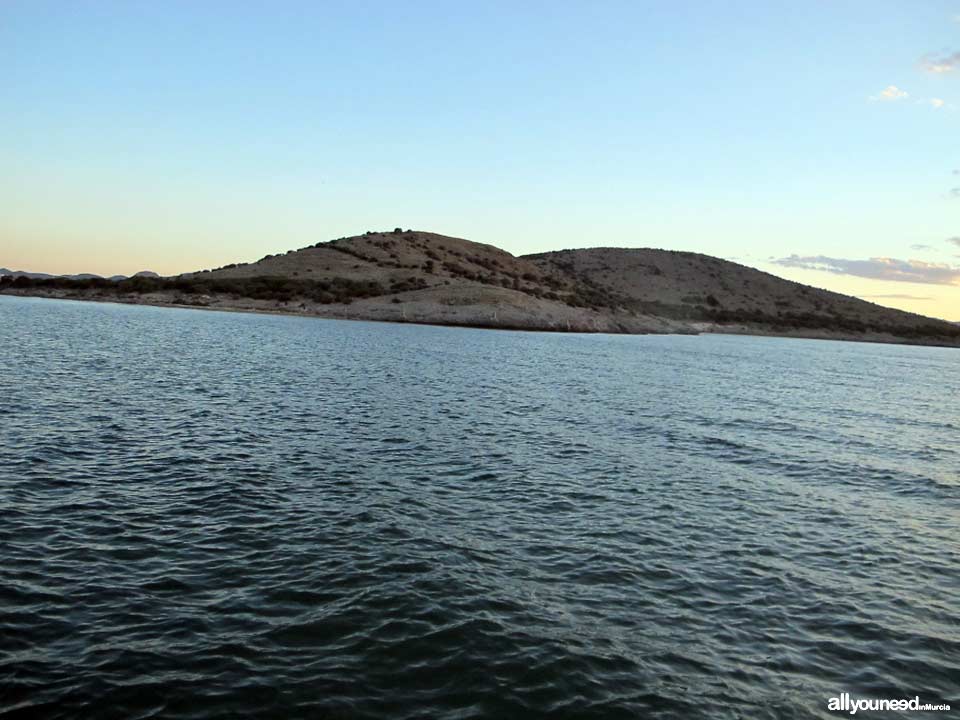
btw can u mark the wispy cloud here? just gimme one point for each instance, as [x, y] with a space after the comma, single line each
[922, 247]
[878, 268]
[895, 296]
[954, 193]
[939, 64]
[890, 93]
[955, 240]
[934, 102]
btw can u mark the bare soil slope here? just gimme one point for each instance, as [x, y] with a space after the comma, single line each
[701, 288]
[392, 258]
[413, 276]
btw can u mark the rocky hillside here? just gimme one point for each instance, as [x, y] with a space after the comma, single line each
[425, 277]
[401, 261]
[621, 286]
[696, 287]
[413, 276]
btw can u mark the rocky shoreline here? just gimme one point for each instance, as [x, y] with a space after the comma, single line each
[467, 313]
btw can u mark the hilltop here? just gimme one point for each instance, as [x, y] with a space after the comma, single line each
[413, 276]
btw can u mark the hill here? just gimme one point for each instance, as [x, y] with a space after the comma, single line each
[703, 289]
[80, 276]
[413, 276]
[425, 277]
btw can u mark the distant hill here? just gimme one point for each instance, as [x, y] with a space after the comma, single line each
[22, 273]
[414, 276]
[81, 276]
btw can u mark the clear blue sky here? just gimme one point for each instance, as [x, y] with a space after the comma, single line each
[180, 135]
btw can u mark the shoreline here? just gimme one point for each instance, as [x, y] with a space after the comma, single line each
[319, 316]
[684, 328]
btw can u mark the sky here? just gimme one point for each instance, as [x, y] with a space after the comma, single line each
[816, 140]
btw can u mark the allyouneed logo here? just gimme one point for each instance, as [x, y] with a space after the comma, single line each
[845, 703]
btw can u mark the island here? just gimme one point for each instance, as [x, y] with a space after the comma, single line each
[423, 277]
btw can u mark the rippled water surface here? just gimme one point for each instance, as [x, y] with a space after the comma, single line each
[209, 515]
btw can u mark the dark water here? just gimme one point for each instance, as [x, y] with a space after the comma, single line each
[211, 515]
